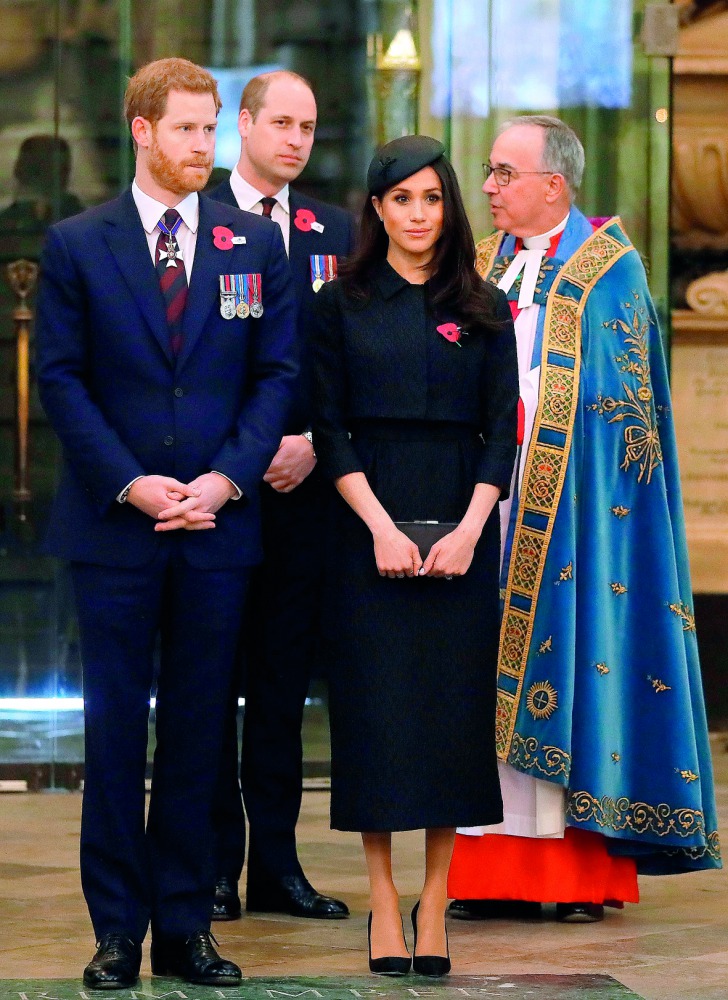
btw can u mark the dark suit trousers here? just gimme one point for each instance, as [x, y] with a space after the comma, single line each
[278, 648]
[164, 873]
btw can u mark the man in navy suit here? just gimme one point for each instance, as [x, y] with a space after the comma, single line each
[277, 121]
[166, 343]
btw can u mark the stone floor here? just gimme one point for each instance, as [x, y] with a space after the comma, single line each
[672, 946]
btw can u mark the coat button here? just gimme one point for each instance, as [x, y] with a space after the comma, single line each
[179, 392]
[169, 440]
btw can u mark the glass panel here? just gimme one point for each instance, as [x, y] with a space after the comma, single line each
[487, 60]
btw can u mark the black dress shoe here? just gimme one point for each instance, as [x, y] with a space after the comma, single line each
[193, 959]
[429, 965]
[392, 965]
[292, 894]
[494, 909]
[227, 902]
[115, 966]
[579, 913]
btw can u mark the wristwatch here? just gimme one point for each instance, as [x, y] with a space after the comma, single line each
[309, 437]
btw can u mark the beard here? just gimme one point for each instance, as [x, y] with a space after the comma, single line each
[172, 175]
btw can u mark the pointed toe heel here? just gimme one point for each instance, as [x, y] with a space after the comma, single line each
[433, 966]
[392, 965]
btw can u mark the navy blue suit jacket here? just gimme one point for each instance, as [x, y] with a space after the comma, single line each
[123, 406]
[338, 238]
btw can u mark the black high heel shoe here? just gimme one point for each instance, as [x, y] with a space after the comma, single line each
[392, 965]
[429, 965]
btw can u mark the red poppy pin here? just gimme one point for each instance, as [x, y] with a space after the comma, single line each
[305, 220]
[451, 332]
[224, 238]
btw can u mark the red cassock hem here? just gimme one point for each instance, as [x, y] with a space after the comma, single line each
[577, 869]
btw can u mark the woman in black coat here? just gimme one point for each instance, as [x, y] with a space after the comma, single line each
[416, 393]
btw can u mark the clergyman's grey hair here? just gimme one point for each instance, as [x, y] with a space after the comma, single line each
[563, 152]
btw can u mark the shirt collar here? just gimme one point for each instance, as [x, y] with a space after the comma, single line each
[387, 280]
[248, 197]
[151, 211]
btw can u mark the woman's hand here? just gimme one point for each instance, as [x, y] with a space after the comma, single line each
[452, 555]
[395, 553]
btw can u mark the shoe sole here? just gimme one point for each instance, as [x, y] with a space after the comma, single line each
[111, 986]
[580, 918]
[227, 916]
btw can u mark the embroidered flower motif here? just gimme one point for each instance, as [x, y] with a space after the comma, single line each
[222, 237]
[451, 332]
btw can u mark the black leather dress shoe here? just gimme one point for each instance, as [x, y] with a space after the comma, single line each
[193, 959]
[494, 909]
[227, 902]
[115, 966]
[579, 913]
[293, 894]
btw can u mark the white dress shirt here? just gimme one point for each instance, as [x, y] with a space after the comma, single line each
[250, 201]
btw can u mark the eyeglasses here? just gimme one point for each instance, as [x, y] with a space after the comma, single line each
[503, 174]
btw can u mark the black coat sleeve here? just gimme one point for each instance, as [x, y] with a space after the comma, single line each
[499, 402]
[334, 450]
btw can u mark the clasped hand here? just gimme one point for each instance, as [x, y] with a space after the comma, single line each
[397, 555]
[292, 463]
[175, 505]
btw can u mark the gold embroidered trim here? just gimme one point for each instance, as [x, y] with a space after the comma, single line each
[638, 817]
[545, 466]
[529, 756]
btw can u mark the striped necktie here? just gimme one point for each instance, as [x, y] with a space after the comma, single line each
[268, 205]
[172, 275]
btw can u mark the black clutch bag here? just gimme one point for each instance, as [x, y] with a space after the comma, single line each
[425, 533]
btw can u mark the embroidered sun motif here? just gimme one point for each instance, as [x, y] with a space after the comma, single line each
[542, 700]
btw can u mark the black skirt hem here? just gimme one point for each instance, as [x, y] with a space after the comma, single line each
[400, 826]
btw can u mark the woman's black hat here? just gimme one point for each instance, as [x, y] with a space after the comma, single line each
[401, 158]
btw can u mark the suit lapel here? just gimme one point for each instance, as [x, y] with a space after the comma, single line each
[208, 264]
[128, 244]
[300, 247]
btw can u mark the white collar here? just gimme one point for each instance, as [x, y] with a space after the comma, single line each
[248, 197]
[151, 211]
[529, 260]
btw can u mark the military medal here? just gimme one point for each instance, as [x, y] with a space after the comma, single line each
[173, 253]
[256, 308]
[323, 269]
[227, 297]
[317, 271]
[241, 297]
